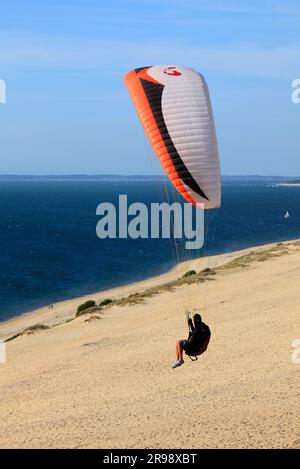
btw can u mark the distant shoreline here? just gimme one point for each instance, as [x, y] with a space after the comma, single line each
[288, 184]
[225, 177]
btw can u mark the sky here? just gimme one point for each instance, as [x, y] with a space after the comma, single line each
[68, 111]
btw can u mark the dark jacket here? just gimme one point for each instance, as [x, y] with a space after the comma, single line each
[197, 336]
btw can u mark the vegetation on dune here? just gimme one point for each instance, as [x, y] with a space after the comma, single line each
[90, 310]
[105, 302]
[35, 327]
[208, 271]
[260, 255]
[29, 330]
[189, 273]
[85, 305]
[92, 318]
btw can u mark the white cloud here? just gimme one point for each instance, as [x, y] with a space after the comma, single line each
[271, 7]
[117, 56]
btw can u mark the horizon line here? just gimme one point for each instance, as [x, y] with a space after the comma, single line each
[111, 175]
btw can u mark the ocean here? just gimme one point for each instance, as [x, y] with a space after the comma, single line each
[50, 251]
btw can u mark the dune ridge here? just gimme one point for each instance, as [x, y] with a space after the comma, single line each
[103, 379]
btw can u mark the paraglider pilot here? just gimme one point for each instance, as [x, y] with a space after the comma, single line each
[197, 342]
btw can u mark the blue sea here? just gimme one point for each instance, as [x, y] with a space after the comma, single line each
[50, 251]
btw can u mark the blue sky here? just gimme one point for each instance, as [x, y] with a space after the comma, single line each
[67, 109]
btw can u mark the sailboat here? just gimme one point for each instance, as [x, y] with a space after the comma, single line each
[287, 215]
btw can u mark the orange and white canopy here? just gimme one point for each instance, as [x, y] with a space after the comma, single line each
[174, 107]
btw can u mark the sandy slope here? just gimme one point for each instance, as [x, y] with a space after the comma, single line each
[108, 382]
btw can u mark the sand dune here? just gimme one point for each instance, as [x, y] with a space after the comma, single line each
[104, 379]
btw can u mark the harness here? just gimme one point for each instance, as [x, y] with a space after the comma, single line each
[202, 348]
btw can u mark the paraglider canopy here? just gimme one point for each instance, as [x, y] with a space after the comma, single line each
[174, 107]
